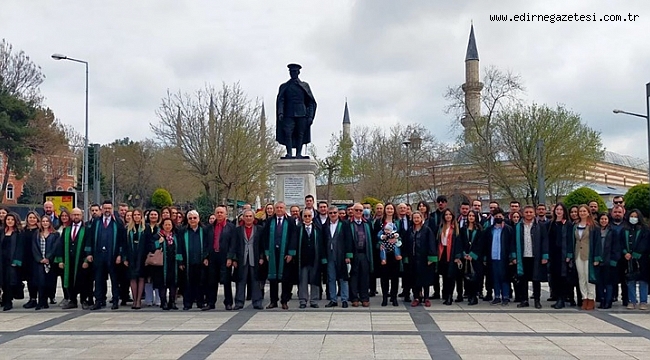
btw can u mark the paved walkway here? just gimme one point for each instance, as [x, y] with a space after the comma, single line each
[439, 332]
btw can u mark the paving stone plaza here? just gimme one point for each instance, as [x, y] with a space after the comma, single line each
[438, 332]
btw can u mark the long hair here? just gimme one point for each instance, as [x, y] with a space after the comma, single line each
[639, 215]
[443, 223]
[428, 209]
[131, 226]
[564, 211]
[477, 220]
[383, 218]
[18, 226]
[149, 217]
[38, 219]
[590, 220]
[41, 229]
[64, 211]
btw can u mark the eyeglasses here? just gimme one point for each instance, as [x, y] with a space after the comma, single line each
[307, 216]
[618, 202]
[358, 210]
[192, 218]
[333, 212]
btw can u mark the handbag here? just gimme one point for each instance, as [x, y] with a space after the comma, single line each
[470, 274]
[154, 259]
[633, 270]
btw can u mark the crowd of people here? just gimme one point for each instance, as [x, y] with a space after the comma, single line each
[154, 257]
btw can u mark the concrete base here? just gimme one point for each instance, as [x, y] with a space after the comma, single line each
[295, 179]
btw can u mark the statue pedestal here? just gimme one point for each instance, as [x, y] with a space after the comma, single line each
[295, 179]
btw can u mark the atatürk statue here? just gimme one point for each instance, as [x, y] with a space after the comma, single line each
[295, 110]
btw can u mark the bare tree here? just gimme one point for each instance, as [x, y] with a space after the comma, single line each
[480, 143]
[19, 76]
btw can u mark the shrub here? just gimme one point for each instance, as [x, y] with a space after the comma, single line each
[161, 198]
[638, 197]
[584, 195]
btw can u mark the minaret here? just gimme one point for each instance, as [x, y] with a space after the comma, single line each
[473, 85]
[263, 128]
[346, 121]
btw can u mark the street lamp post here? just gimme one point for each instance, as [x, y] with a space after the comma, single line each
[113, 180]
[646, 117]
[84, 179]
[407, 143]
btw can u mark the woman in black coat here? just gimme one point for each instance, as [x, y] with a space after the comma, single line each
[560, 246]
[11, 259]
[45, 246]
[30, 232]
[166, 277]
[135, 254]
[636, 246]
[422, 257]
[608, 249]
[470, 236]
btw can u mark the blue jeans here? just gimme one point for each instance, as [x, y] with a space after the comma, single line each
[643, 291]
[383, 252]
[501, 284]
[331, 281]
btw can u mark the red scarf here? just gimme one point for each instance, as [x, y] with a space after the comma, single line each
[169, 237]
[450, 239]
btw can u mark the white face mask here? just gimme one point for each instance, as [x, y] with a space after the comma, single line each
[634, 220]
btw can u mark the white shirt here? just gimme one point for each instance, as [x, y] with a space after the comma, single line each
[323, 219]
[308, 228]
[445, 236]
[528, 240]
[333, 228]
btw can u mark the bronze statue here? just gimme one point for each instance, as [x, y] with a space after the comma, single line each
[295, 110]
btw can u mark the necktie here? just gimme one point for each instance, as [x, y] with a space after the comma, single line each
[308, 230]
[105, 223]
[75, 230]
[279, 222]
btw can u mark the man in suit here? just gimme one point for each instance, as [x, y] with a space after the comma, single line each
[321, 217]
[338, 253]
[295, 108]
[48, 208]
[246, 256]
[279, 248]
[73, 260]
[221, 234]
[310, 256]
[193, 253]
[404, 230]
[104, 251]
[498, 247]
[531, 240]
[362, 262]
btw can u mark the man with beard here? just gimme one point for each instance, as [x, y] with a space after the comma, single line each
[104, 251]
[48, 208]
[73, 260]
[617, 226]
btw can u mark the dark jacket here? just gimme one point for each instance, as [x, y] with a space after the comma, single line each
[635, 241]
[539, 237]
[508, 246]
[560, 241]
[52, 243]
[339, 249]
[118, 241]
[421, 251]
[10, 263]
[238, 250]
[279, 269]
[314, 244]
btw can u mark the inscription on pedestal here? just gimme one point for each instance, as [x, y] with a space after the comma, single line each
[294, 190]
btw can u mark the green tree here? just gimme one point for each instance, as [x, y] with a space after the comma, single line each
[14, 131]
[638, 197]
[584, 195]
[570, 148]
[370, 200]
[161, 198]
[35, 186]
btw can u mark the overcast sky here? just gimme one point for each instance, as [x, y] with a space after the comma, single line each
[391, 59]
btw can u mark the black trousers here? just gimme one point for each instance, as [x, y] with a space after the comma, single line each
[287, 287]
[125, 282]
[522, 287]
[84, 277]
[194, 289]
[448, 281]
[459, 284]
[360, 278]
[219, 273]
[393, 282]
[407, 281]
[104, 268]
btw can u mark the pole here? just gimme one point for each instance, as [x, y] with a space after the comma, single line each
[408, 170]
[647, 117]
[541, 186]
[97, 173]
[85, 174]
[113, 184]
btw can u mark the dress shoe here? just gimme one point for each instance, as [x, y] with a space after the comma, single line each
[395, 303]
[371, 293]
[228, 307]
[38, 307]
[472, 301]
[552, 298]
[287, 156]
[165, 307]
[52, 301]
[123, 303]
[355, 304]
[384, 301]
[85, 306]
[205, 308]
[365, 303]
[459, 299]
[186, 308]
[238, 307]
[302, 306]
[285, 306]
[538, 304]
[331, 304]
[173, 306]
[401, 294]
[495, 301]
[487, 298]
[559, 304]
[97, 306]
[314, 306]
[70, 305]
[115, 306]
[344, 304]
[30, 304]
[523, 304]
[258, 307]
[272, 305]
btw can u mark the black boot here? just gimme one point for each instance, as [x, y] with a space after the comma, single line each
[559, 304]
[449, 300]
[393, 300]
[384, 301]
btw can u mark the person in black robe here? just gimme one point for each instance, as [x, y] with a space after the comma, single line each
[135, 253]
[560, 240]
[30, 231]
[165, 277]
[246, 256]
[72, 259]
[339, 254]
[151, 230]
[193, 253]
[470, 238]
[498, 248]
[531, 239]
[449, 249]
[105, 252]
[608, 246]
[220, 237]
[11, 259]
[422, 257]
[311, 254]
[44, 250]
[362, 261]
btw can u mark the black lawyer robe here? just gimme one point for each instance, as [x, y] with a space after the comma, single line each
[308, 243]
[12, 260]
[44, 278]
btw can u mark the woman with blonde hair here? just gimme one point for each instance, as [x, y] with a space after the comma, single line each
[44, 249]
[30, 232]
[135, 254]
[583, 255]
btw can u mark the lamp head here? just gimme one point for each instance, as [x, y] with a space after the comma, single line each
[59, 57]
[617, 111]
